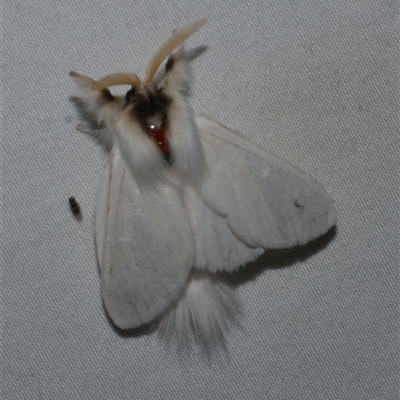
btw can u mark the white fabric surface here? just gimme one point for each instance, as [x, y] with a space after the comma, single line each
[313, 81]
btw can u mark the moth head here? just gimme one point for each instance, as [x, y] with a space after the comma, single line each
[148, 105]
[148, 102]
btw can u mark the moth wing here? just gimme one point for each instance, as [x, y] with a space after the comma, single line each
[144, 245]
[216, 248]
[265, 201]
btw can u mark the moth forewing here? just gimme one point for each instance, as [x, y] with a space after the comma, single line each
[144, 245]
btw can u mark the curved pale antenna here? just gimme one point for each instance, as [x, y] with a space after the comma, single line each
[117, 79]
[172, 43]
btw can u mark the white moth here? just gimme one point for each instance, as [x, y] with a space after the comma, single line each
[183, 198]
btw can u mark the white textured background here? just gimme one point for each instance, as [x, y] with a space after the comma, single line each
[315, 82]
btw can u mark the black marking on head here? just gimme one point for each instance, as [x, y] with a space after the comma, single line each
[147, 104]
[151, 105]
[107, 95]
[130, 94]
[169, 64]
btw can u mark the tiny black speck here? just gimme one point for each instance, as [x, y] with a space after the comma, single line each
[74, 205]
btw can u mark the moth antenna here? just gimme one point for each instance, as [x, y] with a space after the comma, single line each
[177, 38]
[117, 79]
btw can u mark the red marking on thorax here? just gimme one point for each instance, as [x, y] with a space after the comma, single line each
[158, 135]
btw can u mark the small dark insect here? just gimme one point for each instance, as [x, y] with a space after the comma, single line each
[75, 207]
